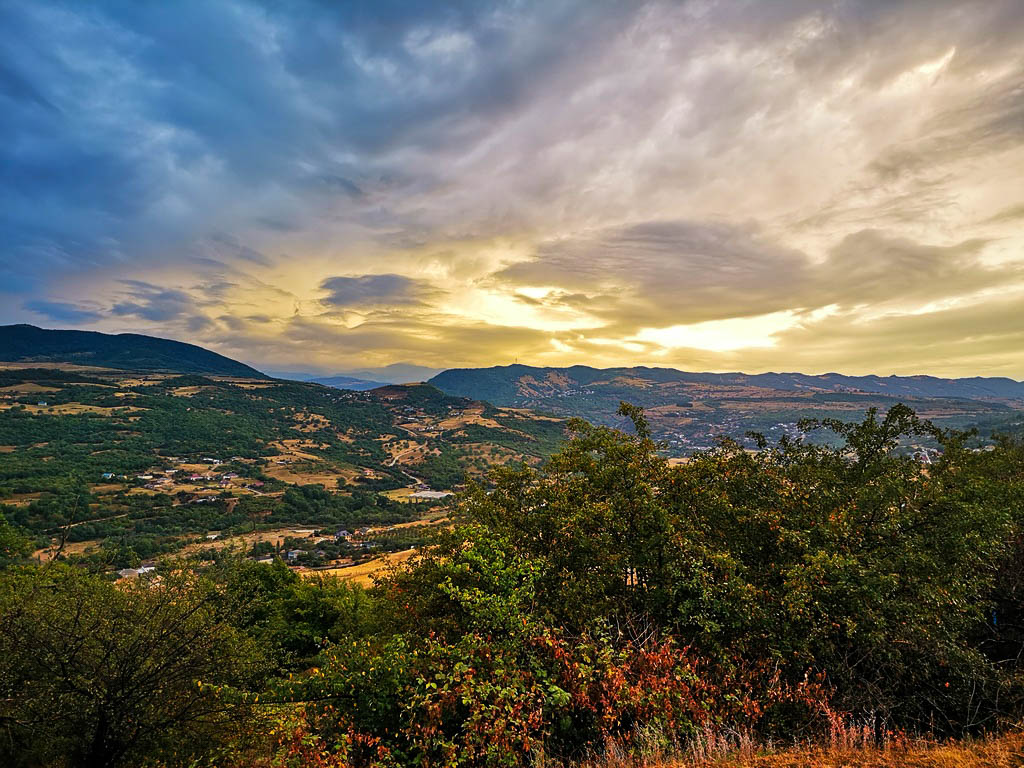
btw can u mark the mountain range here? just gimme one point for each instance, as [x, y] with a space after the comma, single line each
[509, 384]
[690, 410]
[686, 409]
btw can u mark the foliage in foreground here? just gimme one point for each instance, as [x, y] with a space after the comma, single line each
[610, 595]
[607, 598]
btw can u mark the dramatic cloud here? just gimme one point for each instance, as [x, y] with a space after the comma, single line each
[62, 312]
[707, 184]
[373, 290]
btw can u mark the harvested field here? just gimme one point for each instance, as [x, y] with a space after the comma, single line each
[29, 386]
[472, 415]
[311, 473]
[186, 391]
[399, 494]
[70, 409]
[70, 548]
[364, 572]
[22, 499]
[244, 541]
[23, 364]
[524, 413]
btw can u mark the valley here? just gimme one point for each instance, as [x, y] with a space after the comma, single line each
[117, 468]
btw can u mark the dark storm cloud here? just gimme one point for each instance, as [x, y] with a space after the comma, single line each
[374, 290]
[153, 303]
[62, 312]
[131, 125]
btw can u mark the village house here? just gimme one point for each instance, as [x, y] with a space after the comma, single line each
[131, 573]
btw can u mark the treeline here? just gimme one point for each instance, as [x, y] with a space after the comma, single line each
[606, 598]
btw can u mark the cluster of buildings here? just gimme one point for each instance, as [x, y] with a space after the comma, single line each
[163, 479]
[321, 551]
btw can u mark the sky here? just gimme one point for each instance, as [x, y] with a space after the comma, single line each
[791, 185]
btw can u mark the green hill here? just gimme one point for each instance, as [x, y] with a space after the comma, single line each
[123, 351]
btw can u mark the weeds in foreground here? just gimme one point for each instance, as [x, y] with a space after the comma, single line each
[847, 745]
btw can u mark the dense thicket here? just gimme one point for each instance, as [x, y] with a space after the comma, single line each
[607, 596]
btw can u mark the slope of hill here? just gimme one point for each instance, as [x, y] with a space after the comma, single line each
[689, 409]
[123, 351]
[512, 382]
[149, 461]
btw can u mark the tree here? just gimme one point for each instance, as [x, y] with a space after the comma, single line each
[14, 546]
[106, 675]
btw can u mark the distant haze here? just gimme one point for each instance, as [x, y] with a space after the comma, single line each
[335, 188]
[397, 373]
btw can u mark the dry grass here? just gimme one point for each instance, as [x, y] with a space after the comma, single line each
[23, 364]
[363, 573]
[70, 548]
[242, 542]
[847, 748]
[399, 494]
[29, 386]
[65, 409]
[310, 422]
[22, 499]
[310, 473]
[471, 415]
[188, 391]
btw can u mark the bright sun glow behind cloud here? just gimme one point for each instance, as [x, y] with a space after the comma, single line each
[723, 335]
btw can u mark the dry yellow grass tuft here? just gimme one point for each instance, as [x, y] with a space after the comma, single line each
[999, 752]
[1007, 752]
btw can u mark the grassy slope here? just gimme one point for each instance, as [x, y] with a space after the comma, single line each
[1003, 752]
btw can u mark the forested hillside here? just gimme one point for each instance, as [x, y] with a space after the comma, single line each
[126, 351]
[114, 468]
